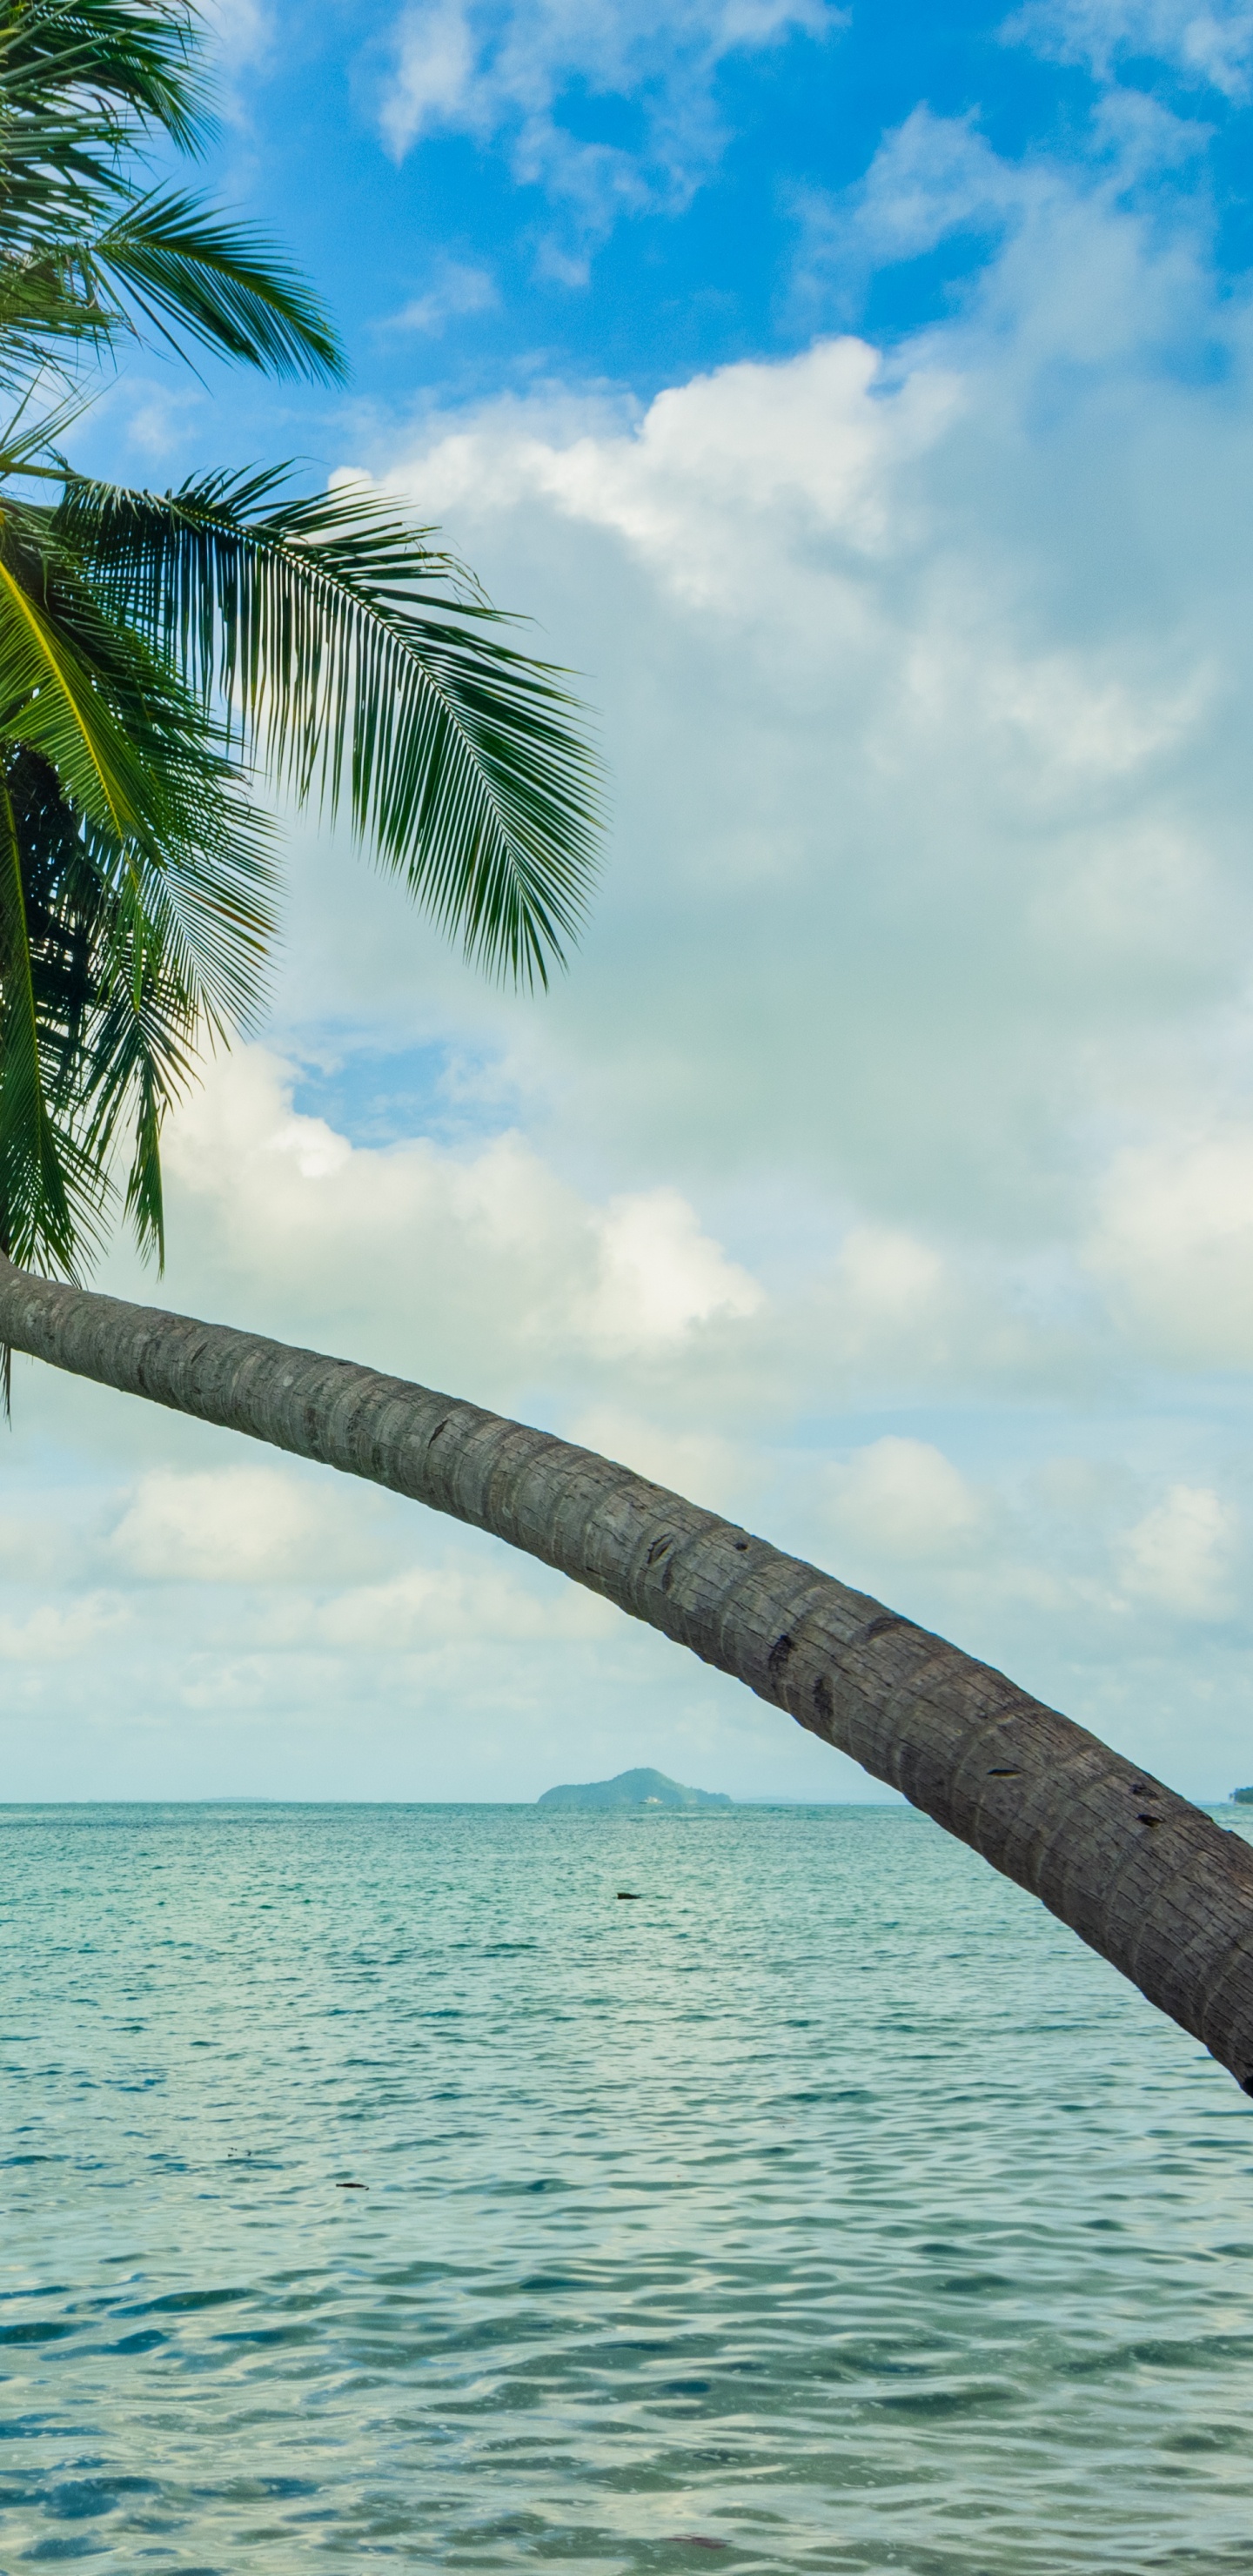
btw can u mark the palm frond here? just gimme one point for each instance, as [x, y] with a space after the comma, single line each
[102, 1008]
[139, 755]
[49, 699]
[359, 665]
[86, 255]
[185, 269]
[145, 914]
[140, 64]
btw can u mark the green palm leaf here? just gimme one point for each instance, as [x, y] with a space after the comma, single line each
[221, 283]
[139, 852]
[352, 659]
[139, 758]
[49, 699]
[138, 63]
[112, 970]
[86, 254]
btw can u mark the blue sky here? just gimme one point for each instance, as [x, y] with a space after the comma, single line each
[863, 405]
[622, 195]
[613, 194]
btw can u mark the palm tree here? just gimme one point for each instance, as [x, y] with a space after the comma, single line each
[1150, 1881]
[148, 644]
[154, 646]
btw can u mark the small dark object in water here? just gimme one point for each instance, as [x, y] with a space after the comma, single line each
[628, 1896]
[696, 2540]
[352, 2186]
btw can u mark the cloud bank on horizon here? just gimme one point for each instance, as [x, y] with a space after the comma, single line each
[883, 1172]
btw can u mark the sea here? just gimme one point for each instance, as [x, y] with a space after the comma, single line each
[491, 2188]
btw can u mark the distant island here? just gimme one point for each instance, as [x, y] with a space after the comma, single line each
[1242, 1797]
[634, 1789]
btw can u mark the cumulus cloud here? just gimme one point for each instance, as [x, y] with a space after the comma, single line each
[481, 1268]
[1174, 1244]
[903, 1500]
[798, 454]
[922, 682]
[486, 1243]
[234, 1525]
[1179, 1557]
[427, 1608]
[56, 1632]
[955, 907]
[657, 1275]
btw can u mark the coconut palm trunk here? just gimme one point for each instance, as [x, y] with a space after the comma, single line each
[1142, 1876]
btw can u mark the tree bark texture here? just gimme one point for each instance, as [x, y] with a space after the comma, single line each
[1144, 1877]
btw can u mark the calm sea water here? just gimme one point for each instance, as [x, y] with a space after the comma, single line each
[829, 2204]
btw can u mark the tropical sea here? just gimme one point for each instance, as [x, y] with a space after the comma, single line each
[827, 2207]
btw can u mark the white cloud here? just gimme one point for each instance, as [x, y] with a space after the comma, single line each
[1178, 1558]
[1174, 1245]
[934, 178]
[159, 417]
[489, 1241]
[903, 1500]
[480, 1268]
[931, 177]
[886, 1277]
[233, 1525]
[794, 456]
[242, 35]
[40, 1547]
[1211, 46]
[457, 289]
[500, 70]
[434, 79]
[428, 1608]
[914, 773]
[659, 1275]
[243, 28]
[55, 1632]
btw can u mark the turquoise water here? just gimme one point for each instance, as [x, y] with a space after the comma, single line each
[829, 2204]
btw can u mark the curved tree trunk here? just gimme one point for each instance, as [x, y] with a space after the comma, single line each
[1142, 1876]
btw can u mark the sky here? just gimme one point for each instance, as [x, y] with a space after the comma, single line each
[860, 402]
